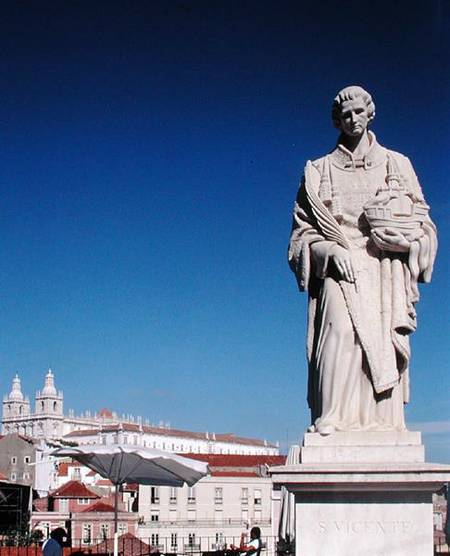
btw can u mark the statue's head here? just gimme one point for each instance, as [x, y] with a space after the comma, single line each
[353, 110]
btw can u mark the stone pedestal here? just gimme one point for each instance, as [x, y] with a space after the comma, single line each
[363, 494]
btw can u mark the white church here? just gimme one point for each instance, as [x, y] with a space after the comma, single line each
[48, 422]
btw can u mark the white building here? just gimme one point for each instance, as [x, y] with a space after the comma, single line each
[49, 422]
[211, 515]
[172, 440]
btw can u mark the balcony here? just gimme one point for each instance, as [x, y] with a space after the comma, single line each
[214, 523]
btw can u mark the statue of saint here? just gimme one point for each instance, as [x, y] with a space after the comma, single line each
[361, 241]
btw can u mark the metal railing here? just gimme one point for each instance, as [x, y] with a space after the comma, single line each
[182, 545]
[163, 523]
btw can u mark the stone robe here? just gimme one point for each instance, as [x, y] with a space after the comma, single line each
[358, 334]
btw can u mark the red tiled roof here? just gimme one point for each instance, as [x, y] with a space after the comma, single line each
[105, 412]
[178, 433]
[237, 460]
[129, 545]
[73, 489]
[130, 487]
[234, 474]
[99, 507]
[2, 477]
[63, 467]
[103, 482]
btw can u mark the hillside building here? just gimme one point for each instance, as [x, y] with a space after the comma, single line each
[49, 422]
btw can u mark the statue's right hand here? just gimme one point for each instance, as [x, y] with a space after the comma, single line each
[343, 262]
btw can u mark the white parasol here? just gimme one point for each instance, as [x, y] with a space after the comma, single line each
[132, 464]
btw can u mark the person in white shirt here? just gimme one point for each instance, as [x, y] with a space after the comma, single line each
[252, 548]
[53, 545]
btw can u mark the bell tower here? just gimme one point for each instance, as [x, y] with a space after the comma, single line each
[49, 408]
[16, 408]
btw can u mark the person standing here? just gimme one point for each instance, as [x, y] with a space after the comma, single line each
[53, 546]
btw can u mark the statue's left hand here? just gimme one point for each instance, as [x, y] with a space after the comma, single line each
[389, 239]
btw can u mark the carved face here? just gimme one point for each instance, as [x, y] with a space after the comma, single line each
[353, 118]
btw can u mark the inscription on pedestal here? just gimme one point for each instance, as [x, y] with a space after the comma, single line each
[373, 524]
[368, 527]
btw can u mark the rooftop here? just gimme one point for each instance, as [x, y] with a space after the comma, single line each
[73, 489]
[178, 433]
[99, 507]
[237, 460]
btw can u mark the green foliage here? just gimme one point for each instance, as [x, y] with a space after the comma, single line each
[21, 536]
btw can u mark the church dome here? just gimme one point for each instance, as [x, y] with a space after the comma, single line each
[16, 393]
[49, 388]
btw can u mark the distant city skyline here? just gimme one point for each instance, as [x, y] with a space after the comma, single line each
[151, 155]
[47, 419]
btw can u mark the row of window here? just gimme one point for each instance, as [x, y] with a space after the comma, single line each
[41, 407]
[134, 439]
[218, 495]
[191, 540]
[64, 503]
[36, 429]
[87, 538]
[25, 476]
[218, 515]
[86, 531]
[26, 459]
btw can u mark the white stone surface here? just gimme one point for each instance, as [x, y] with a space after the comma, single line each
[358, 438]
[370, 525]
[370, 509]
[363, 447]
[362, 454]
[361, 476]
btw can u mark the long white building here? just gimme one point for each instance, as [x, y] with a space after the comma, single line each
[48, 422]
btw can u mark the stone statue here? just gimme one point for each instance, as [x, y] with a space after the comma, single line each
[361, 241]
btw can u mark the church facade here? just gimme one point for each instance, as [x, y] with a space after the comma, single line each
[46, 420]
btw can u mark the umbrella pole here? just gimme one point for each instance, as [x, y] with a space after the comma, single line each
[116, 512]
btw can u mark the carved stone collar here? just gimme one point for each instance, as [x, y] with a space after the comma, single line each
[344, 159]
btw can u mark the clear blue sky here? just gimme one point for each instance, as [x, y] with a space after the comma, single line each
[150, 155]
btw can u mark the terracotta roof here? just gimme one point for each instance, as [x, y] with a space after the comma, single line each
[103, 482]
[105, 412]
[2, 476]
[178, 433]
[73, 489]
[63, 467]
[234, 474]
[130, 487]
[99, 507]
[129, 545]
[237, 460]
